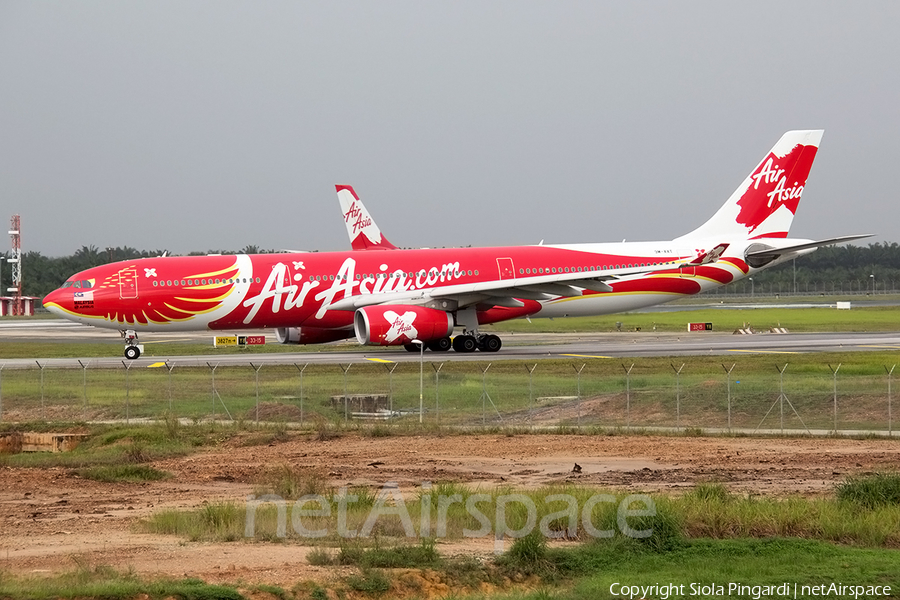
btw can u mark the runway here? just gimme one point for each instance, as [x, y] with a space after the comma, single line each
[536, 346]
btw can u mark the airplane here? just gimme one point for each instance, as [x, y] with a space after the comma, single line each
[418, 298]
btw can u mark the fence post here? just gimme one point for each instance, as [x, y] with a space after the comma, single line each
[1, 393]
[170, 368]
[127, 366]
[84, 367]
[890, 424]
[301, 390]
[346, 401]
[256, 369]
[531, 393]
[485, 397]
[677, 394]
[834, 373]
[215, 394]
[43, 413]
[578, 397]
[437, 398]
[728, 379]
[628, 394]
[212, 370]
[390, 370]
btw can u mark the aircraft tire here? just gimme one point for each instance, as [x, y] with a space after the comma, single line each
[132, 352]
[491, 343]
[411, 347]
[440, 345]
[464, 343]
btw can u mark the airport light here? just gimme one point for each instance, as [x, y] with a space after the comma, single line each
[421, 345]
[872, 277]
[752, 288]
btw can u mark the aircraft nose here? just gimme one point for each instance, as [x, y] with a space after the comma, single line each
[58, 301]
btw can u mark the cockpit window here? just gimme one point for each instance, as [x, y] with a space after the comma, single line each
[81, 284]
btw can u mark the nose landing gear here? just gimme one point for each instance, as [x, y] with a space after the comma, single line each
[132, 348]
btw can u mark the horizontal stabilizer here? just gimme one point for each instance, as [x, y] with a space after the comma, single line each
[771, 253]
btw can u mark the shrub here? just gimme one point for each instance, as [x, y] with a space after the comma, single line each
[871, 491]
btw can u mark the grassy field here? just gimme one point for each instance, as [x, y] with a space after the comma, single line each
[885, 318]
[463, 394]
[707, 537]
[587, 571]
[882, 318]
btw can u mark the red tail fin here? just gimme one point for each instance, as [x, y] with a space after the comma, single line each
[765, 203]
[364, 233]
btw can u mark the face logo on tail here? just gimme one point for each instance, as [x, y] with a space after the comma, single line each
[778, 182]
[400, 325]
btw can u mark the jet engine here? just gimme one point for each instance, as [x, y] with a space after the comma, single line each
[310, 335]
[394, 325]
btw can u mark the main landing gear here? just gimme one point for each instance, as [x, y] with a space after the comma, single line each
[438, 345]
[465, 342]
[132, 348]
[486, 342]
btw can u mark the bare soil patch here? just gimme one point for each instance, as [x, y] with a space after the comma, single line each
[52, 520]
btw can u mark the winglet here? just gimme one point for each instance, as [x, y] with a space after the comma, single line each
[364, 233]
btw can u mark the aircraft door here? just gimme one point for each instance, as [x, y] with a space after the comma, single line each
[507, 270]
[128, 282]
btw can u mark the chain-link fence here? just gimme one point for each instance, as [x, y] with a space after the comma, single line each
[604, 394]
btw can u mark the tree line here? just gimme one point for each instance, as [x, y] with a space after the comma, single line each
[845, 268]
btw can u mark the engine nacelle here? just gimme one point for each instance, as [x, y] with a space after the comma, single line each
[310, 335]
[394, 325]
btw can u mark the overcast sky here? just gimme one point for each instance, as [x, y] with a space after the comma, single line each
[202, 125]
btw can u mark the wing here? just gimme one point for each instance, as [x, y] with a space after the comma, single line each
[506, 292]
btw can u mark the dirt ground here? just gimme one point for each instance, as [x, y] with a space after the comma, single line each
[52, 520]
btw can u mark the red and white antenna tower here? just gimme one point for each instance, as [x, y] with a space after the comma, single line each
[15, 260]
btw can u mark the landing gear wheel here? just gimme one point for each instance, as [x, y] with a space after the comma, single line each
[490, 343]
[464, 343]
[440, 345]
[132, 352]
[411, 347]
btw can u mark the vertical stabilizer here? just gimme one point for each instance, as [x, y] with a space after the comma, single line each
[364, 233]
[765, 203]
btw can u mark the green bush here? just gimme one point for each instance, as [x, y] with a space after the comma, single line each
[871, 491]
